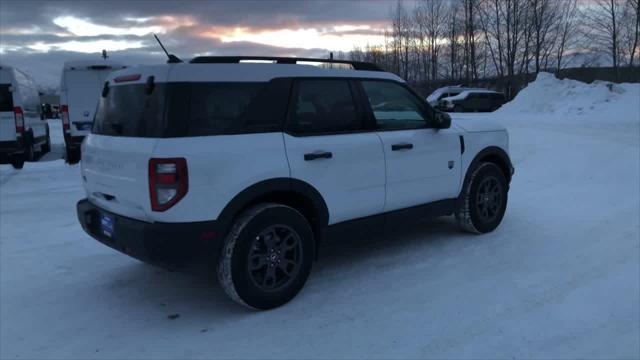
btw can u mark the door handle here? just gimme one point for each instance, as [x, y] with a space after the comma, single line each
[318, 155]
[405, 146]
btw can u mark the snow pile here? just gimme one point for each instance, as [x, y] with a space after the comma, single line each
[599, 102]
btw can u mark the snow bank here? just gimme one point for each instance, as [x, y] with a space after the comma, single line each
[602, 103]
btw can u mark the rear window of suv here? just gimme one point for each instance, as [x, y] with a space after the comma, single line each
[192, 109]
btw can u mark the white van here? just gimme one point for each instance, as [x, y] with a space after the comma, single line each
[22, 131]
[80, 88]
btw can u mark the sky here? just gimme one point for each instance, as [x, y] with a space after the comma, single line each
[38, 36]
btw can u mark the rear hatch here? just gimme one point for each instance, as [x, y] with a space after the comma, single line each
[115, 157]
[82, 87]
[7, 117]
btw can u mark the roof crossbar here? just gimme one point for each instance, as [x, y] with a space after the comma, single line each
[357, 65]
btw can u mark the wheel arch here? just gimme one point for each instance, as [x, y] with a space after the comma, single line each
[492, 154]
[295, 193]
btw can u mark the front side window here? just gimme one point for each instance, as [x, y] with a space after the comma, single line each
[394, 107]
[323, 106]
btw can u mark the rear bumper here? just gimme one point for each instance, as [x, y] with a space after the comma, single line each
[8, 148]
[170, 245]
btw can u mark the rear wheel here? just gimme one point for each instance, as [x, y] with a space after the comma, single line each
[484, 199]
[29, 153]
[47, 145]
[73, 155]
[17, 162]
[267, 256]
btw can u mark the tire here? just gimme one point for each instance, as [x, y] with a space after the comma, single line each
[458, 108]
[17, 162]
[261, 282]
[29, 153]
[483, 200]
[47, 145]
[73, 155]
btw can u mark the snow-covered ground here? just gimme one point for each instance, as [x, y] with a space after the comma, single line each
[560, 278]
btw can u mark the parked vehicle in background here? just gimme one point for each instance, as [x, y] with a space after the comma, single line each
[47, 111]
[473, 100]
[22, 131]
[80, 88]
[447, 91]
[247, 166]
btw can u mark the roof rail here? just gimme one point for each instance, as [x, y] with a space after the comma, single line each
[357, 65]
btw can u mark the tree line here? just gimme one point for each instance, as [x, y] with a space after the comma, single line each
[466, 40]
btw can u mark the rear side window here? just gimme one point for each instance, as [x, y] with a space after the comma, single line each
[219, 108]
[323, 106]
[6, 98]
[192, 109]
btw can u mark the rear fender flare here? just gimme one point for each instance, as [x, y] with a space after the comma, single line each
[263, 188]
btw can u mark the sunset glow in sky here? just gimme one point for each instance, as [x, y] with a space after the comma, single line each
[38, 36]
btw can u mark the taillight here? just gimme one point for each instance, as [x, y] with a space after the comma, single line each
[19, 115]
[64, 115]
[168, 182]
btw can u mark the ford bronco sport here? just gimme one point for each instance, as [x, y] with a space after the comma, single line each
[248, 165]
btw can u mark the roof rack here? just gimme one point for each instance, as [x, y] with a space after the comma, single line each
[357, 65]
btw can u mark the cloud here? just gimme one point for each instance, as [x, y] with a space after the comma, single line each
[82, 27]
[38, 36]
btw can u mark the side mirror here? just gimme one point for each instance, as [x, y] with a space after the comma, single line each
[442, 120]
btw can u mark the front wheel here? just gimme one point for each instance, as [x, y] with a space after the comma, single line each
[267, 256]
[483, 200]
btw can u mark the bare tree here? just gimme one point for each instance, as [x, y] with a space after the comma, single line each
[504, 25]
[470, 60]
[603, 18]
[430, 22]
[545, 15]
[453, 35]
[401, 34]
[566, 30]
[630, 29]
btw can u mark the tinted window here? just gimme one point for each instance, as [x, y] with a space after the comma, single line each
[192, 109]
[393, 106]
[323, 106]
[218, 108]
[129, 111]
[6, 98]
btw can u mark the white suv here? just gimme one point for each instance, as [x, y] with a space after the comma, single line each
[247, 166]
